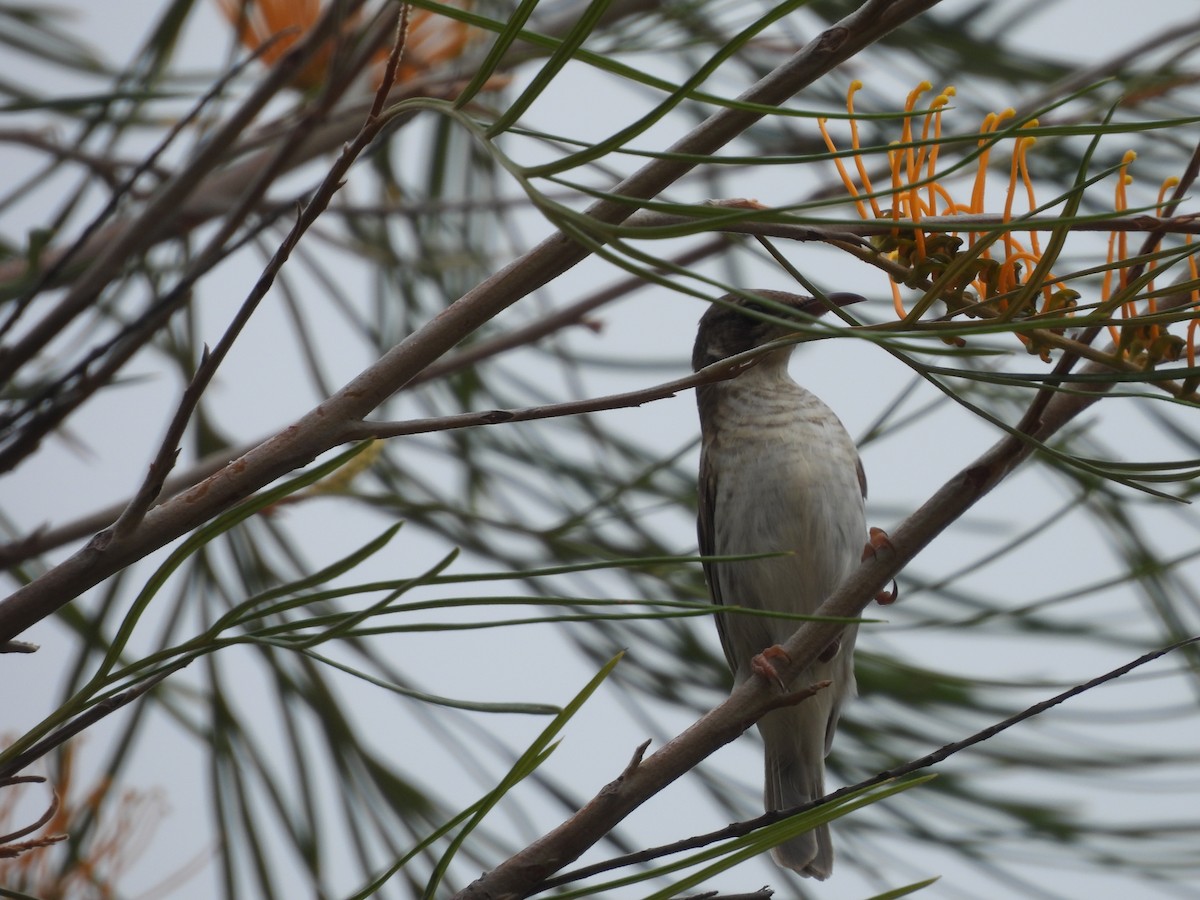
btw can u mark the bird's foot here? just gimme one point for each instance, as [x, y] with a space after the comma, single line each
[877, 540]
[764, 664]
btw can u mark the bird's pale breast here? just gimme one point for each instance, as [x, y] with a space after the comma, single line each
[788, 482]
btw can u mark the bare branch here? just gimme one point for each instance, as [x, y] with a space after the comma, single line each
[726, 368]
[48, 538]
[64, 257]
[28, 829]
[220, 190]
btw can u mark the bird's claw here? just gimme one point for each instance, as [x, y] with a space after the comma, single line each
[877, 540]
[886, 598]
[764, 664]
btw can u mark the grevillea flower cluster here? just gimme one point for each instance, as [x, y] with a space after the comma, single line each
[996, 271]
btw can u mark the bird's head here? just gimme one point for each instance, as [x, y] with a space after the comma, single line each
[735, 324]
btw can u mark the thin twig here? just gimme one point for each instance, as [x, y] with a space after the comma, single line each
[221, 189]
[552, 322]
[720, 371]
[45, 539]
[106, 168]
[1081, 78]
[46, 408]
[49, 814]
[86, 720]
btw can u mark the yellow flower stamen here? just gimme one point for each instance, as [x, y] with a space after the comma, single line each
[1129, 308]
[863, 177]
[906, 133]
[895, 162]
[1194, 272]
[1160, 203]
[990, 123]
[950, 207]
[1118, 247]
[1106, 284]
[1001, 263]
[1124, 179]
[988, 126]
[841, 168]
[1007, 273]
[1167, 184]
[1002, 267]
[909, 201]
[1021, 163]
[897, 300]
[1014, 252]
[939, 102]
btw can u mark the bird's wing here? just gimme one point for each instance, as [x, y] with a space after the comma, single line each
[706, 531]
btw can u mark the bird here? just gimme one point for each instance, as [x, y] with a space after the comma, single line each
[778, 473]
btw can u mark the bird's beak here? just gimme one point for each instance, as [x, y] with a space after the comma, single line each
[816, 306]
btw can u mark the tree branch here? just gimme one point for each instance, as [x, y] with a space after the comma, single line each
[719, 371]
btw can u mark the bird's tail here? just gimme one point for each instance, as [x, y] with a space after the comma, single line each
[795, 764]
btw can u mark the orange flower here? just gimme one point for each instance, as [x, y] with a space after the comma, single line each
[916, 194]
[995, 268]
[432, 39]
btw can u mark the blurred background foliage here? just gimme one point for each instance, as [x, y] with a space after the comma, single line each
[352, 689]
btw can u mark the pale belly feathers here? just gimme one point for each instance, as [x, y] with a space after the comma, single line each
[789, 484]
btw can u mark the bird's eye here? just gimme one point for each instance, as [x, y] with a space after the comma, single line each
[755, 308]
